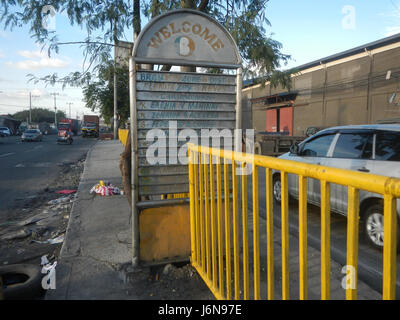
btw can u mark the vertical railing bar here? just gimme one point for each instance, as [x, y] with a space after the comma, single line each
[389, 248]
[256, 235]
[227, 230]
[192, 207]
[196, 199]
[303, 274]
[219, 233]
[202, 214]
[235, 231]
[245, 229]
[285, 235]
[213, 226]
[207, 216]
[352, 241]
[270, 233]
[325, 241]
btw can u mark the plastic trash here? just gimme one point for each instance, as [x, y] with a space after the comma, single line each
[66, 191]
[105, 189]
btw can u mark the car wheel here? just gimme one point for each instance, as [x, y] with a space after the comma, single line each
[374, 226]
[276, 187]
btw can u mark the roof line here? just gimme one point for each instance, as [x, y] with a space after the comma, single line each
[360, 49]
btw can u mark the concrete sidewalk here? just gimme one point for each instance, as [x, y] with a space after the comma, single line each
[95, 259]
[98, 239]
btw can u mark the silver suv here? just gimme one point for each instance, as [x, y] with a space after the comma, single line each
[366, 148]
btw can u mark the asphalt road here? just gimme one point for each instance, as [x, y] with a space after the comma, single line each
[26, 168]
[370, 260]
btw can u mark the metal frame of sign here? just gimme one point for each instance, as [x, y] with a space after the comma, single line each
[181, 38]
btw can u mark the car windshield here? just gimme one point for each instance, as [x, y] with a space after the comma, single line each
[4, 129]
[31, 131]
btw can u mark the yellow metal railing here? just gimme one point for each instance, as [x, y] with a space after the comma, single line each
[123, 135]
[211, 222]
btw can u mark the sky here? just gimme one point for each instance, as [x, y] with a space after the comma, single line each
[307, 29]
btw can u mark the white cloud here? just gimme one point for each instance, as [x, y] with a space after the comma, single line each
[2, 55]
[37, 60]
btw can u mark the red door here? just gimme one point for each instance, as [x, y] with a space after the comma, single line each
[271, 120]
[286, 120]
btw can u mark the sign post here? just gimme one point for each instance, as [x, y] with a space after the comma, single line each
[168, 108]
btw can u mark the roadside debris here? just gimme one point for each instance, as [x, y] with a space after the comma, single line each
[38, 222]
[19, 234]
[55, 240]
[65, 191]
[105, 189]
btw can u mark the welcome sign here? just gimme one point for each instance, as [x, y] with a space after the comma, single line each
[191, 39]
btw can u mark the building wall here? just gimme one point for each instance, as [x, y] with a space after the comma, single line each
[353, 90]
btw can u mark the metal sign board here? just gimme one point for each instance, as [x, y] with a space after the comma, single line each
[187, 101]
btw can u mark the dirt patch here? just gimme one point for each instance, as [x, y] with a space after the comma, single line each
[168, 282]
[38, 223]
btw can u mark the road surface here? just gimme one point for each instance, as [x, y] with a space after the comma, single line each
[26, 168]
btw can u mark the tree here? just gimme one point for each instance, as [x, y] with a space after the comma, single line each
[39, 115]
[99, 94]
[244, 19]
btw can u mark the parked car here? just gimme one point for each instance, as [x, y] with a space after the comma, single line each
[366, 148]
[5, 132]
[31, 135]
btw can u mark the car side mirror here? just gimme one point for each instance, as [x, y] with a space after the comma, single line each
[294, 148]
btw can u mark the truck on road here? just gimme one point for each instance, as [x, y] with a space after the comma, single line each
[90, 126]
[71, 125]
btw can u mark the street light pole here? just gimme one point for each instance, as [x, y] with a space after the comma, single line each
[69, 104]
[55, 109]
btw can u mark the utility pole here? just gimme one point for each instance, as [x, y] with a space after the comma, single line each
[115, 82]
[69, 104]
[55, 109]
[30, 106]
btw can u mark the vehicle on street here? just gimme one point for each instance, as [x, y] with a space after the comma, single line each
[64, 136]
[32, 135]
[5, 132]
[71, 125]
[365, 148]
[90, 126]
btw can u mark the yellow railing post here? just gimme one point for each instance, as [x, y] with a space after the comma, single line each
[235, 231]
[285, 235]
[256, 236]
[352, 240]
[202, 213]
[245, 229]
[325, 241]
[207, 215]
[227, 230]
[389, 248]
[213, 227]
[219, 233]
[270, 232]
[192, 207]
[303, 274]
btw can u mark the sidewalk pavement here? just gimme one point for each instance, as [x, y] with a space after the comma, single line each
[95, 260]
